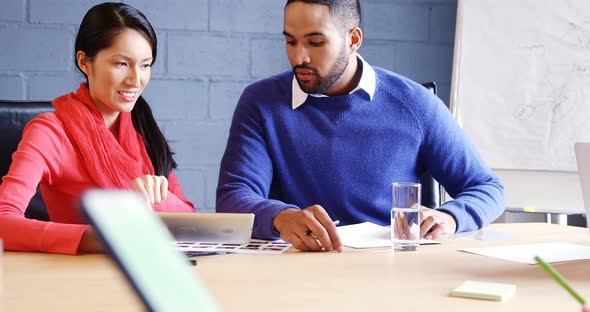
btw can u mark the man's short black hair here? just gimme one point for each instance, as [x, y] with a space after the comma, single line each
[347, 12]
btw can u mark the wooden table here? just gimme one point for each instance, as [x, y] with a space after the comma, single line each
[355, 280]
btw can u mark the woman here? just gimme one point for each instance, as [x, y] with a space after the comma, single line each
[104, 135]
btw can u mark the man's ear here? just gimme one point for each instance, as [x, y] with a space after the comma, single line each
[355, 39]
[83, 62]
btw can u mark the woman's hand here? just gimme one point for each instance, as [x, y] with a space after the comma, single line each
[153, 188]
[90, 242]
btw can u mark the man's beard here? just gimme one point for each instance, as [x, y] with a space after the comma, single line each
[324, 83]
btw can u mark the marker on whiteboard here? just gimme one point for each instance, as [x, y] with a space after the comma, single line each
[528, 209]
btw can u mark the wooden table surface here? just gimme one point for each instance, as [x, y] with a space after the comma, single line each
[355, 280]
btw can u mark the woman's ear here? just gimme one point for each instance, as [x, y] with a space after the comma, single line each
[355, 36]
[82, 62]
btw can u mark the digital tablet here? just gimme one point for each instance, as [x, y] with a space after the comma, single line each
[143, 249]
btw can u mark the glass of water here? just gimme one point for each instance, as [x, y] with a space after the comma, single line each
[405, 216]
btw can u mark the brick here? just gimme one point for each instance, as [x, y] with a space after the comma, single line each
[12, 88]
[36, 50]
[48, 87]
[211, 178]
[193, 186]
[395, 22]
[175, 99]
[250, 16]
[197, 143]
[423, 62]
[204, 54]
[12, 11]
[224, 97]
[442, 25]
[59, 11]
[177, 14]
[268, 57]
[381, 55]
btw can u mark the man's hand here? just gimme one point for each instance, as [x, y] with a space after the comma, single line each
[402, 227]
[294, 226]
[434, 223]
[153, 188]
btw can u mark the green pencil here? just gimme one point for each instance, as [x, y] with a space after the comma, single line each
[560, 280]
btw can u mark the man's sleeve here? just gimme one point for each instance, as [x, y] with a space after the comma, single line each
[246, 171]
[452, 159]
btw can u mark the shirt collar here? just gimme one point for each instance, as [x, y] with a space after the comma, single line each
[367, 83]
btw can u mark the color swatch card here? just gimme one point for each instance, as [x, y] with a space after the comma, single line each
[484, 290]
[255, 246]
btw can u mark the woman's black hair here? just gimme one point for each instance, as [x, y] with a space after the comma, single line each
[99, 27]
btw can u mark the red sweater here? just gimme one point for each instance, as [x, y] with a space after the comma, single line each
[46, 157]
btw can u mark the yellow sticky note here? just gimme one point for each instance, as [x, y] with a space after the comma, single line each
[484, 290]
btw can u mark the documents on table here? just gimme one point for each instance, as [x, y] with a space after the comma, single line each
[369, 235]
[255, 246]
[550, 252]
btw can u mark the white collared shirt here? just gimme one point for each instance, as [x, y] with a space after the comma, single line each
[367, 83]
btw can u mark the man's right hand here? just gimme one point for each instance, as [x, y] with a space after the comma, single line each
[294, 225]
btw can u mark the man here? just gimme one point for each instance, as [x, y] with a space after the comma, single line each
[325, 141]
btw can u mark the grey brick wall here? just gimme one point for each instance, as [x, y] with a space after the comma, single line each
[208, 51]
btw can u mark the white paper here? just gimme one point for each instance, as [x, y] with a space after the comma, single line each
[369, 235]
[549, 252]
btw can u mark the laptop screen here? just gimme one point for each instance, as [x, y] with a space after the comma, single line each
[143, 249]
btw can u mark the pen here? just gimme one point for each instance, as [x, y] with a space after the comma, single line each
[308, 232]
[560, 280]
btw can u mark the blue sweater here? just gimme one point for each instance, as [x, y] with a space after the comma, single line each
[343, 153]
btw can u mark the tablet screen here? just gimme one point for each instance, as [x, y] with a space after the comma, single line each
[144, 250]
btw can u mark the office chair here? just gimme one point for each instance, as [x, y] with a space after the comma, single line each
[431, 189]
[14, 115]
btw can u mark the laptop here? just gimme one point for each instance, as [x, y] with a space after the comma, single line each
[143, 250]
[233, 228]
[583, 159]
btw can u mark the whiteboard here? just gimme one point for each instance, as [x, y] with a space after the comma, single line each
[521, 90]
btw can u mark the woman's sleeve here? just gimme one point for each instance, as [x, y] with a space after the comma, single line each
[37, 159]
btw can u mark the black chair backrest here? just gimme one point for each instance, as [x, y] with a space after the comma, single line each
[14, 115]
[431, 189]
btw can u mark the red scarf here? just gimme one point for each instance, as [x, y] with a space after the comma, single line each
[111, 164]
